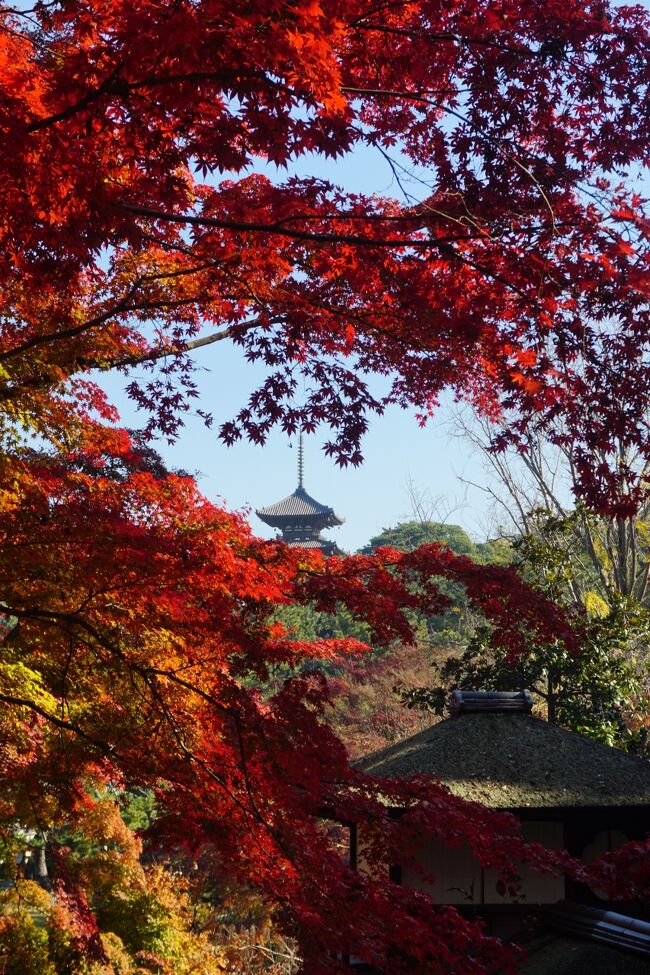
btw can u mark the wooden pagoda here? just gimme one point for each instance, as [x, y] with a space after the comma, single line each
[300, 518]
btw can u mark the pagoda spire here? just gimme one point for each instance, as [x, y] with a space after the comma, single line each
[300, 518]
[301, 460]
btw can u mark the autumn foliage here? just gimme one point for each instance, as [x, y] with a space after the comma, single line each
[135, 226]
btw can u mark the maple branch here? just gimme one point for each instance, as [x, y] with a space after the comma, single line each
[121, 308]
[459, 39]
[494, 140]
[74, 619]
[153, 81]
[279, 228]
[423, 218]
[390, 5]
[182, 347]
[58, 722]
[441, 245]
[69, 332]
[146, 673]
[108, 86]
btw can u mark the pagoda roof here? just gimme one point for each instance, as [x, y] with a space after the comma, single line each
[298, 506]
[314, 541]
[510, 760]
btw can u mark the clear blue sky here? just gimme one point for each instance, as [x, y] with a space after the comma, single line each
[369, 497]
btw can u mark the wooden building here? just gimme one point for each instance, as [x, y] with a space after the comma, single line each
[569, 792]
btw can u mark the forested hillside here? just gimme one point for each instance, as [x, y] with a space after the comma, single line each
[454, 626]
[392, 692]
[368, 707]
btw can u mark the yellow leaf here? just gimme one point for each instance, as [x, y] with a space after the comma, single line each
[596, 605]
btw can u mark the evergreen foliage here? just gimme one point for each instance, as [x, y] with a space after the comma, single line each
[458, 623]
[602, 690]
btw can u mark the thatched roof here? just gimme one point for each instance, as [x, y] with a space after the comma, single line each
[510, 761]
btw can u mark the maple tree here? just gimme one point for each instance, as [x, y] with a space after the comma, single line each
[132, 231]
[524, 257]
[144, 611]
[143, 918]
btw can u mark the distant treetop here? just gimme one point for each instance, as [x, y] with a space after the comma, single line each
[408, 535]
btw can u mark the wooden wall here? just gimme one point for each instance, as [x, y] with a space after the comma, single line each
[457, 877]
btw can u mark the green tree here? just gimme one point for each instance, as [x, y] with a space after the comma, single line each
[307, 623]
[459, 622]
[408, 535]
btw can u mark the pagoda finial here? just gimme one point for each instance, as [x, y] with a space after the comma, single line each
[301, 460]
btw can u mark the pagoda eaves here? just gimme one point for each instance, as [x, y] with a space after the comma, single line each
[300, 509]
